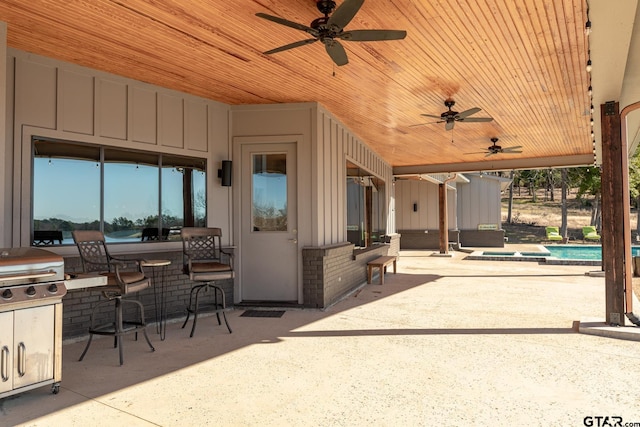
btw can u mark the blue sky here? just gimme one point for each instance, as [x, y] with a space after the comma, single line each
[70, 189]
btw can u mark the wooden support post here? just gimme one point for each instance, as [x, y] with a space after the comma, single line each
[616, 237]
[628, 259]
[187, 200]
[444, 218]
[368, 215]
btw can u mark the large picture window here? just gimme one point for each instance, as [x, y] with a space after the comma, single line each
[366, 213]
[130, 196]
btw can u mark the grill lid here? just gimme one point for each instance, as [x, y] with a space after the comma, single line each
[29, 265]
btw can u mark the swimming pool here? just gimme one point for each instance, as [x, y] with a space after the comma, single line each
[592, 252]
[552, 254]
[587, 252]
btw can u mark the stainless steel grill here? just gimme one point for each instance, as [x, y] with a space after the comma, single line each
[31, 291]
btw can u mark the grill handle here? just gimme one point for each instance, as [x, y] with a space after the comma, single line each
[4, 363]
[24, 276]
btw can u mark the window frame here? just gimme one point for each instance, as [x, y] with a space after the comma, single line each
[127, 155]
[372, 232]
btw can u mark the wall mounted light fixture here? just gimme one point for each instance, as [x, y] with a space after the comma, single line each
[225, 173]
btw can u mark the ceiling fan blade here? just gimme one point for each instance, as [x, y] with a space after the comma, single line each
[449, 125]
[372, 35]
[467, 113]
[427, 123]
[344, 14]
[515, 147]
[476, 119]
[431, 115]
[491, 153]
[288, 23]
[290, 46]
[336, 52]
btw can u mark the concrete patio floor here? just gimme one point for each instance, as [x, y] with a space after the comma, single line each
[446, 341]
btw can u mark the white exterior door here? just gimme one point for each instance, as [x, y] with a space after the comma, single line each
[268, 223]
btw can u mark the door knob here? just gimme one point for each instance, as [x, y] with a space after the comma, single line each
[293, 240]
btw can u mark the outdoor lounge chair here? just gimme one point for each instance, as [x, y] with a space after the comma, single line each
[553, 234]
[590, 233]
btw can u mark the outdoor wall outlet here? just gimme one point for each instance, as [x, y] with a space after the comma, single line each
[614, 319]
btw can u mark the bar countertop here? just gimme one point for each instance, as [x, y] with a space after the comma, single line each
[84, 280]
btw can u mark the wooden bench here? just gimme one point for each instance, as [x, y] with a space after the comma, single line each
[381, 263]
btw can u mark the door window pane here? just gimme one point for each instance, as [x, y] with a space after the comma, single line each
[269, 192]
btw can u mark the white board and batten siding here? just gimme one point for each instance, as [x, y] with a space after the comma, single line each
[275, 124]
[335, 145]
[324, 145]
[425, 195]
[57, 100]
[479, 202]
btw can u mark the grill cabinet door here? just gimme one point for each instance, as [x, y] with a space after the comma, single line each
[33, 351]
[6, 351]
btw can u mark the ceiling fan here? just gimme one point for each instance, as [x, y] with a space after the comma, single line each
[495, 149]
[330, 29]
[449, 117]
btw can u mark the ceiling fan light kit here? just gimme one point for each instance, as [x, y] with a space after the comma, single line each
[449, 117]
[330, 29]
[494, 148]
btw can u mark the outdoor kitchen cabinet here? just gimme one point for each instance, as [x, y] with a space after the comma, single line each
[31, 291]
[30, 356]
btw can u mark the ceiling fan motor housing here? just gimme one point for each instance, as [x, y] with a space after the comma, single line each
[319, 23]
[326, 6]
[450, 115]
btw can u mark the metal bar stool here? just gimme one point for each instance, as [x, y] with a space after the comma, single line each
[95, 257]
[205, 262]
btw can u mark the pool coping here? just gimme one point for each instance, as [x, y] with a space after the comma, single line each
[526, 256]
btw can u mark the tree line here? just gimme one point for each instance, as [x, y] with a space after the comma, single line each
[585, 181]
[118, 224]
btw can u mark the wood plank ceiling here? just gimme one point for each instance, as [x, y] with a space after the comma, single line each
[522, 62]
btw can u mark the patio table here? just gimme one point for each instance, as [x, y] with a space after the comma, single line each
[159, 297]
